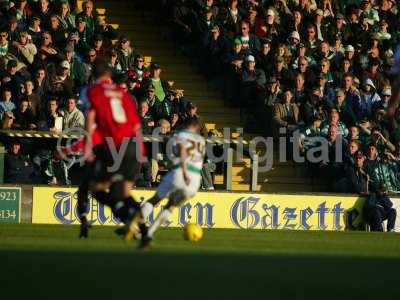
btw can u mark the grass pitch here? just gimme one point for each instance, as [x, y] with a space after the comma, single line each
[50, 262]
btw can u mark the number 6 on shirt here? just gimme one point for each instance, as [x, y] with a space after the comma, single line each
[117, 110]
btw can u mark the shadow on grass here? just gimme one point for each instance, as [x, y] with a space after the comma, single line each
[154, 275]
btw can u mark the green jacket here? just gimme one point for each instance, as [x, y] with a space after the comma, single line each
[90, 23]
[384, 172]
[126, 58]
[59, 170]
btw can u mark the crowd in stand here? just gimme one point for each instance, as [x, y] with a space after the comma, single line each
[326, 68]
[323, 68]
[46, 56]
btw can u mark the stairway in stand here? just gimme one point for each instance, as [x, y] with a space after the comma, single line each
[147, 39]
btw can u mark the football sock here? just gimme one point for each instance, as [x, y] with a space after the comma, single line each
[102, 197]
[125, 210]
[147, 208]
[120, 210]
[133, 207]
[132, 203]
[116, 191]
[161, 218]
[83, 201]
[154, 200]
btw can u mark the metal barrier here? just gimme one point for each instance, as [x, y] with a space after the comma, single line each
[254, 172]
[2, 153]
[146, 138]
[228, 170]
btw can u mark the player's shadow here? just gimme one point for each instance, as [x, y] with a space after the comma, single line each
[166, 275]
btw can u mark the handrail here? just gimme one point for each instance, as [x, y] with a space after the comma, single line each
[36, 134]
[146, 138]
[228, 170]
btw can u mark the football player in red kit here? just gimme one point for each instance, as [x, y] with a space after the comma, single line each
[116, 159]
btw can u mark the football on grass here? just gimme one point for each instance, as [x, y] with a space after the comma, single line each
[192, 232]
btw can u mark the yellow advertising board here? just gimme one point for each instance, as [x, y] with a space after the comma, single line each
[57, 205]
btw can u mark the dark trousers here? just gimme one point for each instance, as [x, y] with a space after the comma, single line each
[376, 215]
[206, 176]
[144, 177]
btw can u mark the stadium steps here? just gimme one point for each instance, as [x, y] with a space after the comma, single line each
[283, 185]
[282, 177]
[149, 39]
[278, 188]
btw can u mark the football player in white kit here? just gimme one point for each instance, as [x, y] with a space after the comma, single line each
[181, 182]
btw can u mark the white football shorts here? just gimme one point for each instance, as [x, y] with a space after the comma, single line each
[174, 181]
